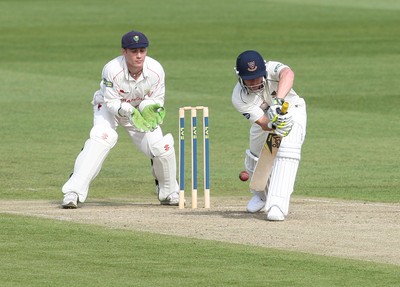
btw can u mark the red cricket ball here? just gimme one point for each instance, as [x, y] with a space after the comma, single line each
[244, 175]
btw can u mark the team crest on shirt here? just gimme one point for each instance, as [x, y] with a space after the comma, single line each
[251, 66]
[107, 83]
[246, 115]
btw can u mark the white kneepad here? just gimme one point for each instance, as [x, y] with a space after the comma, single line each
[289, 150]
[104, 135]
[164, 166]
[164, 147]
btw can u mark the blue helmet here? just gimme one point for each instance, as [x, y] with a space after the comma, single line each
[250, 65]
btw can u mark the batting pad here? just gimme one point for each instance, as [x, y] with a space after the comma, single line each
[250, 162]
[164, 167]
[281, 184]
[90, 160]
[283, 175]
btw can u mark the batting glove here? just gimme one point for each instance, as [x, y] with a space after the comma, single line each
[283, 129]
[275, 109]
[283, 118]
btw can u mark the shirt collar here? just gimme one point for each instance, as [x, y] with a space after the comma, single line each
[126, 70]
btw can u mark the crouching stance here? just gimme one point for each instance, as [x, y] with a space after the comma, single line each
[261, 90]
[131, 95]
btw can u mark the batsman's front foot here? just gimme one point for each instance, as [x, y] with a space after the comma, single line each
[256, 203]
[275, 214]
[172, 199]
[70, 201]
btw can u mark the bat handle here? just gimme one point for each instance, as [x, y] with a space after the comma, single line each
[285, 107]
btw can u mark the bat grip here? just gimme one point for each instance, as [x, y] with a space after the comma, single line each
[284, 109]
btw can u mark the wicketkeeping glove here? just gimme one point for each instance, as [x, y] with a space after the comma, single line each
[154, 115]
[139, 122]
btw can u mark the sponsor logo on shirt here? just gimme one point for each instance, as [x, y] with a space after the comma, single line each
[107, 83]
[246, 115]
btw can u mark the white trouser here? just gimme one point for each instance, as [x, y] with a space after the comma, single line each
[283, 175]
[92, 156]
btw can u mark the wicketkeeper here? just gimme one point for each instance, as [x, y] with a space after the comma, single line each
[131, 95]
[261, 90]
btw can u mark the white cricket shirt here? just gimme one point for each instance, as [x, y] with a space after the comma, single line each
[118, 86]
[253, 106]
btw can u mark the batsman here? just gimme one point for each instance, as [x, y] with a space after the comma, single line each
[262, 94]
[131, 95]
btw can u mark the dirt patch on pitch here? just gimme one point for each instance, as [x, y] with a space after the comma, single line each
[347, 229]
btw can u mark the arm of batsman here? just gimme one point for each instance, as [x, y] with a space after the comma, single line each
[139, 122]
[154, 114]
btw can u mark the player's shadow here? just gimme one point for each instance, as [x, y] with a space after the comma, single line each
[111, 204]
[230, 214]
[114, 203]
[187, 211]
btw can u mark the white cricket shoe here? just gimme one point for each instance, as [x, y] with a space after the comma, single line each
[70, 200]
[275, 214]
[256, 203]
[172, 199]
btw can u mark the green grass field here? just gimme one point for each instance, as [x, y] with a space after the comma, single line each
[345, 55]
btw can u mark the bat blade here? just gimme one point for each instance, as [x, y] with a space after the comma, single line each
[266, 159]
[265, 163]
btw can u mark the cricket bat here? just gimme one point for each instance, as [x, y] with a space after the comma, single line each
[266, 159]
